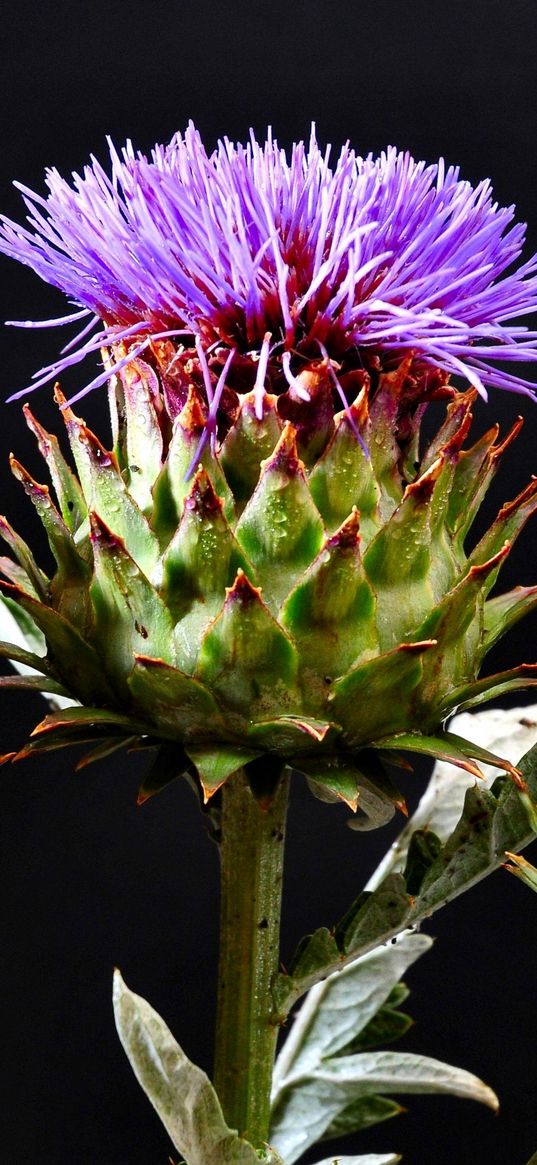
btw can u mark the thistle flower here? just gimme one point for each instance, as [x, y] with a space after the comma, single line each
[298, 589]
[373, 259]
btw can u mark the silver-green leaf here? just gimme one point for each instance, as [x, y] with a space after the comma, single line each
[335, 1011]
[307, 1109]
[508, 732]
[181, 1093]
[315, 1082]
[369, 1159]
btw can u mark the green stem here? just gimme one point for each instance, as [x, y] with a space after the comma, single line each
[251, 851]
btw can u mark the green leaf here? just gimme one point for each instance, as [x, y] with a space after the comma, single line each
[105, 748]
[344, 476]
[423, 851]
[77, 725]
[17, 654]
[371, 919]
[387, 1026]
[68, 587]
[509, 732]
[215, 765]
[105, 492]
[337, 778]
[87, 680]
[366, 688]
[177, 701]
[281, 529]
[448, 747]
[456, 624]
[331, 611]
[363, 925]
[503, 611]
[39, 683]
[130, 616]
[362, 1114]
[139, 437]
[507, 526]
[247, 659]
[169, 763]
[74, 718]
[313, 951]
[37, 580]
[478, 844]
[19, 627]
[180, 1092]
[492, 822]
[66, 486]
[473, 473]
[471, 695]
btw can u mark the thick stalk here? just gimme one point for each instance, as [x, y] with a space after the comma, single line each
[251, 851]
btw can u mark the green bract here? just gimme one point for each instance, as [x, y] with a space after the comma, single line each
[303, 597]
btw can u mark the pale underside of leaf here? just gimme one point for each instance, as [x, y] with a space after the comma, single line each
[181, 1093]
[339, 1008]
[307, 1110]
[370, 1159]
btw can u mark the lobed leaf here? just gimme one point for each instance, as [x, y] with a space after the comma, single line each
[507, 731]
[320, 1089]
[337, 1010]
[493, 821]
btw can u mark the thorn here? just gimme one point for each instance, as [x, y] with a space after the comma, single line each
[498, 450]
[422, 488]
[418, 648]
[193, 416]
[202, 498]
[243, 591]
[347, 537]
[484, 568]
[526, 494]
[285, 454]
[27, 481]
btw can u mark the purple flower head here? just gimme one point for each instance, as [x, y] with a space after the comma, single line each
[274, 261]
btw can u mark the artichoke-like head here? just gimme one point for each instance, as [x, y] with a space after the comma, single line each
[252, 578]
[294, 590]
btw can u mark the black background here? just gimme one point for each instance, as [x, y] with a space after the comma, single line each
[90, 881]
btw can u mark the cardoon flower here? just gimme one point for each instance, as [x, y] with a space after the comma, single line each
[267, 571]
[271, 259]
